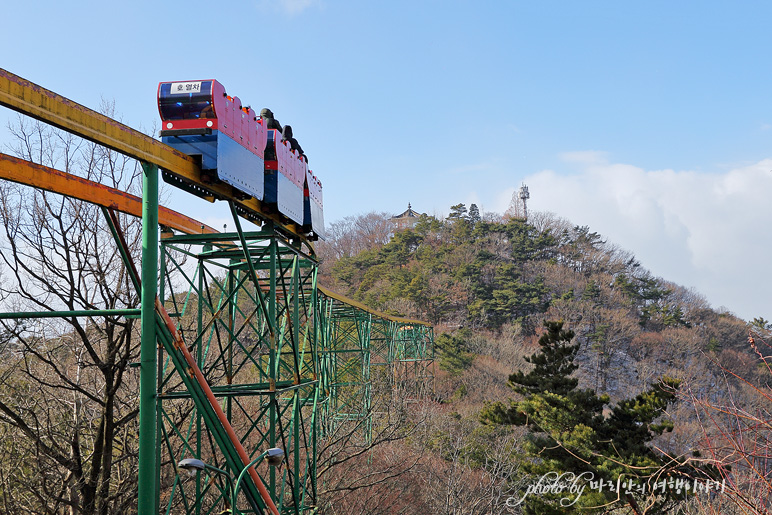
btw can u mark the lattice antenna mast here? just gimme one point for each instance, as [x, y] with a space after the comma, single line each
[524, 196]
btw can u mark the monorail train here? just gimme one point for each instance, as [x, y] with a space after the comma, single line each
[237, 148]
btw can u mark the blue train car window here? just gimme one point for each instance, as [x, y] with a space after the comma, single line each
[186, 100]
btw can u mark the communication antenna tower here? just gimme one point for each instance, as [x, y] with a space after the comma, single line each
[524, 196]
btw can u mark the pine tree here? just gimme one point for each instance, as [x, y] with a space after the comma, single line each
[457, 212]
[474, 214]
[569, 434]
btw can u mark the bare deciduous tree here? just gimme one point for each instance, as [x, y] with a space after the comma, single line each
[354, 234]
[362, 470]
[67, 396]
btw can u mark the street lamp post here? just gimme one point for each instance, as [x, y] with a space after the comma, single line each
[273, 456]
[196, 465]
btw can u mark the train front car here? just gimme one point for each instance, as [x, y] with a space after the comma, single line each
[201, 120]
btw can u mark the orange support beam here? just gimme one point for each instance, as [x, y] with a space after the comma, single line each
[49, 179]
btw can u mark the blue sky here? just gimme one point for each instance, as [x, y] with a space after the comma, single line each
[648, 121]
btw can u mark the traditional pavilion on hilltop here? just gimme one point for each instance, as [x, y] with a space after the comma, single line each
[407, 219]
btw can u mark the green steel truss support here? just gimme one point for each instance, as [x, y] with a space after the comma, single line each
[245, 304]
[286, 361]
[148, 488]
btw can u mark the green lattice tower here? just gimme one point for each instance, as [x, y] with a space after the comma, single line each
[245, 305]
[412, 354]
[345, 365]
[364, 353]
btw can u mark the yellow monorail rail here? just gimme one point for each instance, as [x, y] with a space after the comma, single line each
[358, 305]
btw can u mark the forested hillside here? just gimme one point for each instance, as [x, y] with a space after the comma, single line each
[488, 284]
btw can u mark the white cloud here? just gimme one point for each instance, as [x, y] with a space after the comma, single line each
[293, 7]
[701, 230]
[585, 156]
[297, 6]
[290, 7]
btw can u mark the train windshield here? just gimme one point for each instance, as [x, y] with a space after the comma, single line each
[186, 100]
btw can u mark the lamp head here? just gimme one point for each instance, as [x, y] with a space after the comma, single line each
[275, 456]
[192, 465]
